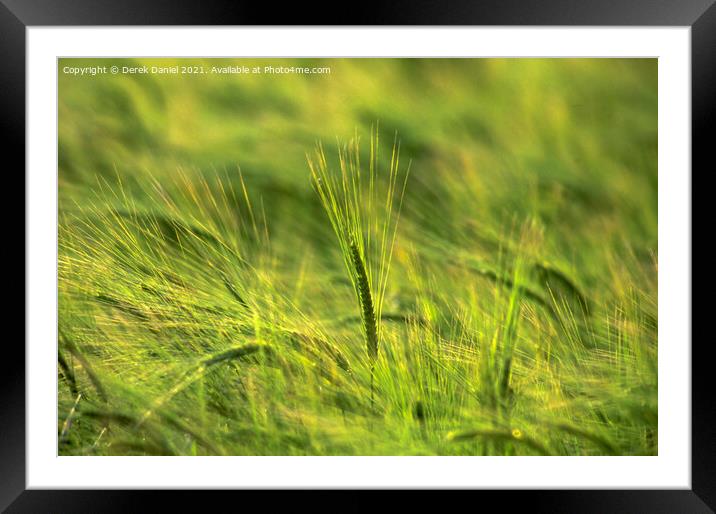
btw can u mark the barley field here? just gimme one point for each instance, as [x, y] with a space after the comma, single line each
[373, 257]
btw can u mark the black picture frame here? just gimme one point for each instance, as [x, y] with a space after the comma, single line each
[17, 15]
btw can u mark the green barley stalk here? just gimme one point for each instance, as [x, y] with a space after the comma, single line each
[365, 300]
[361, 207]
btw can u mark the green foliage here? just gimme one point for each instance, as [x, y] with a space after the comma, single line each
[281, 309]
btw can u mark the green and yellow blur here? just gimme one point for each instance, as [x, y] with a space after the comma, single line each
[383, 257]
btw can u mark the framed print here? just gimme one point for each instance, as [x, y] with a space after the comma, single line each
[437, 249]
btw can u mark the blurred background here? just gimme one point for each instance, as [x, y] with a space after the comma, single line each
[572, 142]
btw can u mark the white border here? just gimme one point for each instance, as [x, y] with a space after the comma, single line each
[670, 469]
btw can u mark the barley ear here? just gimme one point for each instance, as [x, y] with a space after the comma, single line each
[366, 302]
